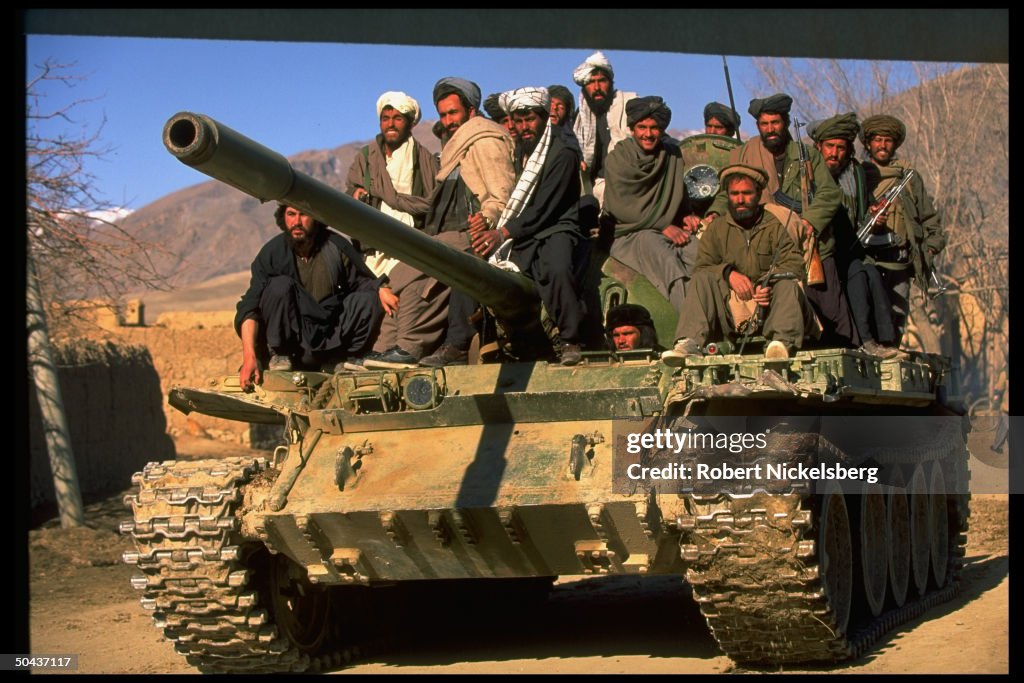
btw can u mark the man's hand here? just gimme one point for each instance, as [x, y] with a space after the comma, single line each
[388, 300]
[484, 243]
[676, 235]
[691, 223]
[476, 223]
[882, 220]
[808, 230]
[361, 194]
[250, 373]
[741, 284]
[763, 295]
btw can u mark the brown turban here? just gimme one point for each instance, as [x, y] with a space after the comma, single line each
[883, 124]
[653, 107]
[779, 103]
[841, 126]
[726, 115]
[753, 172]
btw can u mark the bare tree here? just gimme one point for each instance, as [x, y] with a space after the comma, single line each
[71, 252]
[79, 248]
[957, 120]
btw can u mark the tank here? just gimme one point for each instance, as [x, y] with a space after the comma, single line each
[507, 475]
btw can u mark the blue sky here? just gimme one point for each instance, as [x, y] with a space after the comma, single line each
[294, 97]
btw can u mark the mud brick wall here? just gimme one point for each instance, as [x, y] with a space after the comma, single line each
[112, 398]
[189, 349]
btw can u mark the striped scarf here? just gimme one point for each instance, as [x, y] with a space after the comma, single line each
[521, 195]
[586, 131]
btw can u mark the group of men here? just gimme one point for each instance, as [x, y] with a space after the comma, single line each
[524, 187]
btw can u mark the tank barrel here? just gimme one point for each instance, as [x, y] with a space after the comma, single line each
[230, 157]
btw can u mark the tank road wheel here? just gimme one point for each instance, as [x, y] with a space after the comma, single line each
[871, 559]
[939, 541]
[920, 528]
[836, 555]
[299, 608]
[897, 525]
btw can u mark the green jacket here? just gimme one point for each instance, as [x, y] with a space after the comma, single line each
[827, 196]
[924, 230]
[749, 251]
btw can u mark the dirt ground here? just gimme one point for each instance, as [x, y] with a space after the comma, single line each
[81, 603]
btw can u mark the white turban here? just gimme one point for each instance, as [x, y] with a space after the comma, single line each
[524, 98]
[401, 103]
[595, 61]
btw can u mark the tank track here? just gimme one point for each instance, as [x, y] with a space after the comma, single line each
[193, 572]
[755, 575]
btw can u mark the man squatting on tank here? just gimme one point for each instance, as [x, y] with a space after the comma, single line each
[313, 302]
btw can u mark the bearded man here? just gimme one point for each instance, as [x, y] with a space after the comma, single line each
[396, 175]
[775, 151]
[540, 224]
[311, 300]
[475, 180]
[601, 123]
[563, 107]
[736, 251]
[645, 199]
[865, 291]
[908, 238]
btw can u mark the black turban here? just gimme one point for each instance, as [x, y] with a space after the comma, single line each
[779, 103]
[883, 124]
[842, 126]
[653, 107]
[628, 314]
[467, 89]
[726, 115]
[565, 95]
[494, 109]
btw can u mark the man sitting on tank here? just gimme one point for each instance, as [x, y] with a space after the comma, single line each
[630, 327]
[540, 224]
[645, 197]
[737, 252]
[311, 301]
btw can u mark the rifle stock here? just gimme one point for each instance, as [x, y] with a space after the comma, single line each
[812, 258]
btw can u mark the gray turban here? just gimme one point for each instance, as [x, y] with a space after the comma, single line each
[595, 61]
[641, 108]
[401, 103]
[525, 98]
[779, 103]
[726, 115]
[468, 89]
[843, 126]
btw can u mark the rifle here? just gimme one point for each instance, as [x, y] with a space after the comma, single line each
[728, 86]
[887, 200]
[815, 271]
